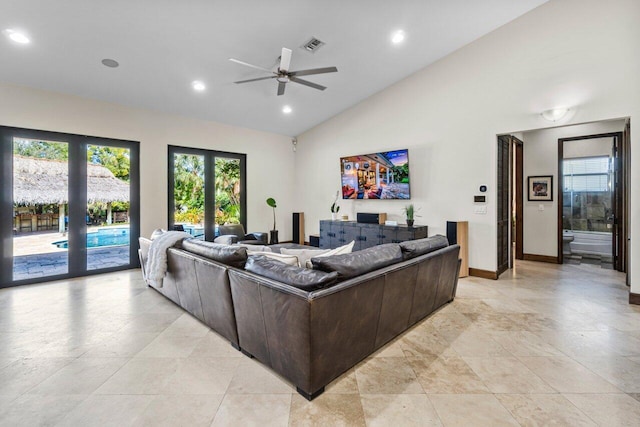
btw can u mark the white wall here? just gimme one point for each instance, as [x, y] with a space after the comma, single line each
[596, 147]
[269, 156]
[572, 53]
[540, 157]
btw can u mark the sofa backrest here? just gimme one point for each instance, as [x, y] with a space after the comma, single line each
[233, 255]
[414, 248]
[360, 262]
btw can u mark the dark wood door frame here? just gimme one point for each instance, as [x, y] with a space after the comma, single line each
[620, 201]
[503, 204]
[510, 187]
[626, 191]
[518, 183]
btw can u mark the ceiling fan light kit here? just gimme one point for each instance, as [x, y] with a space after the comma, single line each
[283, 75]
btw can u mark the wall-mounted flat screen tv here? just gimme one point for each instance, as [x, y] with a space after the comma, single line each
[382, 175]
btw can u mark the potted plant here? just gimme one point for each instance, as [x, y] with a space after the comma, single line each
[334, 207]
[410, 213]
[273, 234]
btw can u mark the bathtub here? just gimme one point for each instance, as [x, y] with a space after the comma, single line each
[591, 243]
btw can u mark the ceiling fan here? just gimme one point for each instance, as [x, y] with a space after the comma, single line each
[284, 76]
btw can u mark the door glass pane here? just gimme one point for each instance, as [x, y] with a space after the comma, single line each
[227, 191]
[108, 196]
[40, 196]
[587, 197]
[188, 193]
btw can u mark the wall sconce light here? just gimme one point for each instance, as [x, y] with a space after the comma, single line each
[554, 114]
[294, 144]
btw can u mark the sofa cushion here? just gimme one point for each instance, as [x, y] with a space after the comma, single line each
[360, 262]
[414, 248]
[304, 255]
[286, 259]
[235, 256]
[301, 278]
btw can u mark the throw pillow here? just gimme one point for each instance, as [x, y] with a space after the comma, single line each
[304, 255]
[359, 262]
[286, 259]
[225, 240]
[301, 278]
[255, 248]
[415, 248]
[345, 249]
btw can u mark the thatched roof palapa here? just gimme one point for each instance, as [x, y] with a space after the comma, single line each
[43, 181]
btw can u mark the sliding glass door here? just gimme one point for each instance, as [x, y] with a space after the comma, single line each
[108, 218]
[40, 195]
[69, 205]
[206, 189]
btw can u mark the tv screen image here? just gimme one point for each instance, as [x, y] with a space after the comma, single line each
[382, 175]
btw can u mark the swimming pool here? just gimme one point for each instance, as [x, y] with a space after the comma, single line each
[102, 237]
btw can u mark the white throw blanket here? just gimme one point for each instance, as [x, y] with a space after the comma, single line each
[157, 259]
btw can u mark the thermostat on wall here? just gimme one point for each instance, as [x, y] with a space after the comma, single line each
[479, 199]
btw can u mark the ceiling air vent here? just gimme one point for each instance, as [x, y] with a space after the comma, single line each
[312, 45]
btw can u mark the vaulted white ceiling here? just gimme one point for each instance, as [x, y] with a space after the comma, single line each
[164, 45]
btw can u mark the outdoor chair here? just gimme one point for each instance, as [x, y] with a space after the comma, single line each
[234, 233]
[25, 222]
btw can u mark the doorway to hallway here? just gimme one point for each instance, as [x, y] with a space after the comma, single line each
[535, 226]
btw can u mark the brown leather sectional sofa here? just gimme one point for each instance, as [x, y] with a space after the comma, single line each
[312, 337]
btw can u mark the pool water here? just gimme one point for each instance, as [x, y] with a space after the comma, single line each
[102, 237]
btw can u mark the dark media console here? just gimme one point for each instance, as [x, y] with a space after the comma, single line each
[339, 233]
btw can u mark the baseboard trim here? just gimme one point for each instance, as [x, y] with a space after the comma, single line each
[485, 274]
[541, 258]
[634, 298]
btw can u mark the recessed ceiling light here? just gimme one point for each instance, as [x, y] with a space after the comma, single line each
[17, 36]
[198, 86]
[111, 63]
[397, 37]
[286, 109]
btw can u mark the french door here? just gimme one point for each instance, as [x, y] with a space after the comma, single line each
[206, 188]
[69, 205]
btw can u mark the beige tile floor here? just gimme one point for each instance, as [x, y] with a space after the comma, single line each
[544, 345]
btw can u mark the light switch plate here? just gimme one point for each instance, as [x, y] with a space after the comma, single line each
[540, 207]
[480, 210]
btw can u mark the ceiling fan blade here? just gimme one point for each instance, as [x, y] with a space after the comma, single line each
[307, 83]
[285, 59]
[255, 80]
[314, 71]
[281, 86]
[257, 67]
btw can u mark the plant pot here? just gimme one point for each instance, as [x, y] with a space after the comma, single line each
[273, 237]
[334, 216]
[410, 223]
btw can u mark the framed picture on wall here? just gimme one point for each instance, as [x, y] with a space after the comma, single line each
[540, 188]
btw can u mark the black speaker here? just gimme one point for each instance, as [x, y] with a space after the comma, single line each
[298, 228]
[452, 232]
[371, 218]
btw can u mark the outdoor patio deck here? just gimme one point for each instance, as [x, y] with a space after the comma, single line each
[35, 255]
[54, 263]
